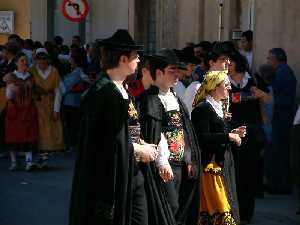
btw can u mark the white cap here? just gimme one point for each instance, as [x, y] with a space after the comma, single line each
[39, 50]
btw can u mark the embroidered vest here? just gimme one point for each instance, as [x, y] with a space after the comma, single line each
[172, 127]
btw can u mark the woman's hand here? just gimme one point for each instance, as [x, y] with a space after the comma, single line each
[227, 116]
[241, 131]
[235, 138]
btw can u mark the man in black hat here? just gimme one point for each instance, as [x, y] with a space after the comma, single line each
[106, 187]
[165, 122]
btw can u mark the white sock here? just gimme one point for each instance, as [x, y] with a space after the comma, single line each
[28, 157]
[13, 157]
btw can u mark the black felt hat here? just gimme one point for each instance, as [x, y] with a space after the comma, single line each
[188, 56]
[168, 56]
[120, 40]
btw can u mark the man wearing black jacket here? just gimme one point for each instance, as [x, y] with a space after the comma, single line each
[106, 188]
[165, 122]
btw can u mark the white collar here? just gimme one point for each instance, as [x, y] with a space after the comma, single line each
[21, 75]
[244, 81]
[122, 90]
[217, 106]
[44, 73]
[169, 100]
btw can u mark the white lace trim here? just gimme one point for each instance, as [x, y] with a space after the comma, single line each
[21, 75]
[217, 106]
[169, 100]
[244, 81]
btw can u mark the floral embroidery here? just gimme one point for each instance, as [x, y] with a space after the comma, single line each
[225, 218]
[132, 111]
[211, 168]
[173, 131]
[133, 124]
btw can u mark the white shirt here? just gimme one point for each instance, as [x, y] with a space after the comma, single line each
[190, 94]
[217, 106]
[244, 81]
[122, 90]
[179, 89]
[63, 57]
[170, 102]
[249, 57]
[21, 75]
[297, 117]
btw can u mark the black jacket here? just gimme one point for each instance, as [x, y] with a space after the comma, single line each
[102, 182]
[151, 113]
[213, 139]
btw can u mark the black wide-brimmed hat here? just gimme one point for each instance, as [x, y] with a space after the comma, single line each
[120, 40]
[188, 56]
[168, 56]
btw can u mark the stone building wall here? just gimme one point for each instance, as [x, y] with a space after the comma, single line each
[21, 16]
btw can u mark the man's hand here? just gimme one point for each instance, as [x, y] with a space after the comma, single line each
[166, 173]
[148, 152]
[191, 171]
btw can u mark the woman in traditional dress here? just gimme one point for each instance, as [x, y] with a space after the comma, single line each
[48, 104]
[246, 96]
[218, 193]
[21, 125]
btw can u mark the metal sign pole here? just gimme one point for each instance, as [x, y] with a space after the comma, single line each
[220, 19]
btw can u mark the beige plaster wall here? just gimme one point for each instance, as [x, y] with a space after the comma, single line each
[277, 25]
[211, 20]
[38, 19]
[107, 16]
[190, 21]
[167, 24]
[22, 17]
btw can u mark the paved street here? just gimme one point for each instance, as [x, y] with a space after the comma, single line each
[42, 198]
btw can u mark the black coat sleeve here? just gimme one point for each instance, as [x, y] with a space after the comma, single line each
[150, 119]
[102, 172]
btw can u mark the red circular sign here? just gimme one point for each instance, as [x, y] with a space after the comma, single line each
[75, 10]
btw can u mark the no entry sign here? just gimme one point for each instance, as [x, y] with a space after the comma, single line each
[75, 10]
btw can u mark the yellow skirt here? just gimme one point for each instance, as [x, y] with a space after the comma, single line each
[215, 208]
[50, 132]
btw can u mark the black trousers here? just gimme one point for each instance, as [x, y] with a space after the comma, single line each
[139, 201]
[175, 189]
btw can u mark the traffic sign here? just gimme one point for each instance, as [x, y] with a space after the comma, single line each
[75, 10]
